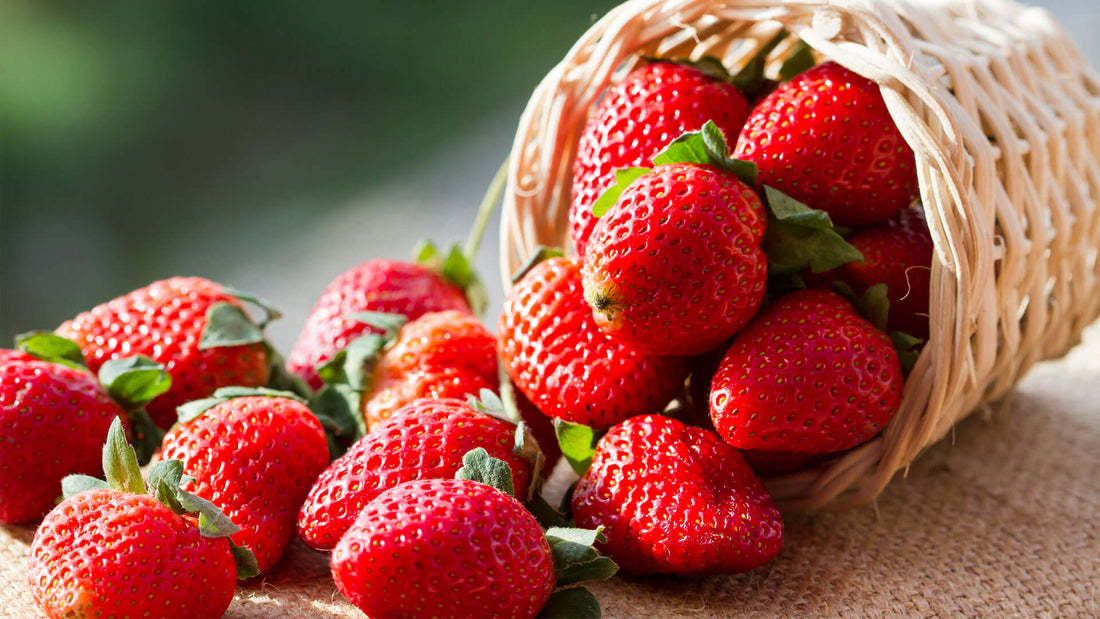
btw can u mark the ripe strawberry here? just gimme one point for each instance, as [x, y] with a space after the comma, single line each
[566, 366]
[444, 548]
[110, 549]
[167, 321]
[385, 286]
[898, 253]
[446, 354]
[808, 375]
[55, 419]
[675, 266]
[254, 457]
[675, 499]
[425, 439]
[637, 118]
[826, 139]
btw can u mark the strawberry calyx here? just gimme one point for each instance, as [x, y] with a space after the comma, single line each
[799, 237]
[133, 382]
[163, 482]
[456, 267]
[575, 556]
[48, 346]
[874, 306]
[195, 408]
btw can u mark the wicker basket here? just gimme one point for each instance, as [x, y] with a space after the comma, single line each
[1003, 114]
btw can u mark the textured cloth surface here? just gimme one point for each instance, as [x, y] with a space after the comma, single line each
[997, 520]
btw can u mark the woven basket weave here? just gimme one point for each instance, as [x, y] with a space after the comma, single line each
[1003, 114]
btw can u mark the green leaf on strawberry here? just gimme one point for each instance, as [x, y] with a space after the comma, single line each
[478, 465]
[76, 483]
[578, 443]
[455, 267]
[270, 312]
[571, 603]
[800, 237]
[228, 325]
[50, 347]
[908, 348]
[389, 324]
[623, 178]
[120, 465]
[706, 146]
[247, 566]
[134, 381]
[575, 556]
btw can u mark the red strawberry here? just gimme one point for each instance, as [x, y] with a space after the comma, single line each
[826, 139]
[254, 457]
[166, 321]
[676, 500]
[444, 548]
[675, 266]
[898, 253]
[425, 439]
[385, 286]
[808, 375]
[566, 366]
[111, 550]
[54, 419]
[439, 355]
[638, 117]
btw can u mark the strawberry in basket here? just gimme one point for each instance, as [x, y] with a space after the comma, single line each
[638, 117]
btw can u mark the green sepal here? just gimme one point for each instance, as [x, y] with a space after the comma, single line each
[800, 59]
[164, 479]
[134, 381]
[195, 408]
[750, 79]
[51, 347]
[120, 465]
[578, 443]
[337, 408]
[212, 522]
[575, 556]
[76, 483]
[146, 436]
[527, 447]
[908, 348]
[799, 237]
[478, 465]
[545, 513]
[352, 365]
[282, 380]
[228, 325]
[874, 305]
[542, 254]
[456, 268]
[270, 313]
[571, 603]
[389, 324]
[623, 178]
[706, 146]
[247, 567]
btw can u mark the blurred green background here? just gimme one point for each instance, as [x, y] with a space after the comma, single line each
[129, 128]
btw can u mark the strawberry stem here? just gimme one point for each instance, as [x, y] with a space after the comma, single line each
[485, 211]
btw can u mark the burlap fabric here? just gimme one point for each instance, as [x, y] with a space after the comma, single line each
[1000, 520]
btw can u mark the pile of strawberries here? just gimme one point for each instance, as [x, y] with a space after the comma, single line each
[724, 317]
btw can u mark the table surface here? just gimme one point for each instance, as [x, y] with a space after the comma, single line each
[999, 519]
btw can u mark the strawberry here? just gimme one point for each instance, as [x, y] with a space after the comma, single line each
[253, 456]
[675, 499]
[55, 419]
[110, 549]
[898, 253]
[422, 440]
[675, 266]
[177, 322]
[438, 355]
[568, 368]
[808, 375]
[387, 286]
[444, 548]
[826, 139]
[636, 118]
